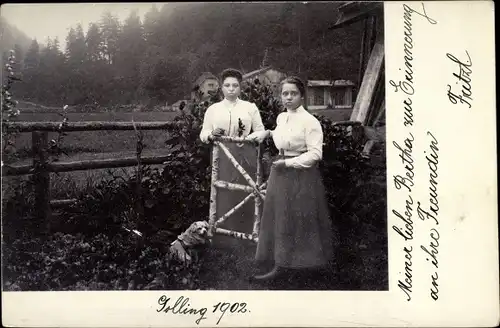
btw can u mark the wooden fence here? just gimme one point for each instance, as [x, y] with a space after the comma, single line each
[41, 167]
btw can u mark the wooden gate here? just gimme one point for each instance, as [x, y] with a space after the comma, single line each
[256, 189]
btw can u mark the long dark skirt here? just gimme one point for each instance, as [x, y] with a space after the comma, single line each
[295, 228]
[242, 220]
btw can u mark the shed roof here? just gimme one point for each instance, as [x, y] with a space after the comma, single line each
[256, 72]
[354, 11]
[329, 83]
[204, 76]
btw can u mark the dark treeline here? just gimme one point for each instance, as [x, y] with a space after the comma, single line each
[156, 59]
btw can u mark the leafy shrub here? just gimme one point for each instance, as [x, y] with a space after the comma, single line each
[9, 109]
[18, 208]
[101, 207]
[100, 262]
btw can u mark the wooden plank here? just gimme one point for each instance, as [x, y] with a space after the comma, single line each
[87, 126]
[377, 100]
[105, 163]
[369, 84]
[258, 200]
[62, 202]
[353, 11]
[346, 123]
[368, 148]
[12, 170]
[233, 140]
[212, 215]
[40, 142]
[236, 234]
[138, 199]
[232, 186]
[86, 165]
[362, 54]
[373, 32]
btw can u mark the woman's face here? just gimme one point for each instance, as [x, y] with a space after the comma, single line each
[291, 96]
[231, 88]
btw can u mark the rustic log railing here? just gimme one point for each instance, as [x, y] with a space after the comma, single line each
[41, 167]
[256, 189]
[87, 126]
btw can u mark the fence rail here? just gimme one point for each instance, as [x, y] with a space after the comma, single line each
[84, 165]
[41, 167]
[87, 126]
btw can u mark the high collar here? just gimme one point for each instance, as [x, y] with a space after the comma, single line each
[229, 103]
[299, 110]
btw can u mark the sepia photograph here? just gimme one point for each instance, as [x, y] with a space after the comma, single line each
[194, 146]
[233, 164]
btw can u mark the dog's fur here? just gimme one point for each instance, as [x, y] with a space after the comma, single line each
[185, 247]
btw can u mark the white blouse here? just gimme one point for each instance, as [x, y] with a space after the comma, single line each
[299, 134]
[225, 115]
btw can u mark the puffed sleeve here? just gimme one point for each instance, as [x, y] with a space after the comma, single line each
[256, 119]
[278, 137]
[264, 133]
[314, 144]
[206, 129]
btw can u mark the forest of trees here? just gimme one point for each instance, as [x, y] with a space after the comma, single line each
[156, 59]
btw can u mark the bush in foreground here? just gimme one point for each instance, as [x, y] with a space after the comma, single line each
[76, 262]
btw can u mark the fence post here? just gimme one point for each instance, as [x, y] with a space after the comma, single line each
[258, 200]
[41, 178]
[213, 190]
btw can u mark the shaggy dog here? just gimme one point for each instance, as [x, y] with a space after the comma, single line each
[183, 249]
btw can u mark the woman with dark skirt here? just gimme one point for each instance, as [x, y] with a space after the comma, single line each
[233, 117]
[295, 228]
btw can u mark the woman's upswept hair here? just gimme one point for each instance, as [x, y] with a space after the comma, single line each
[297, 81]
[231, 72]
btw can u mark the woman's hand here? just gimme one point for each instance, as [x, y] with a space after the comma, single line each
[258, 136]
[279, 163]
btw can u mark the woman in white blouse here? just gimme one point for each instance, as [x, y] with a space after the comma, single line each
[233, 117]
[223, 118]
[295, 228]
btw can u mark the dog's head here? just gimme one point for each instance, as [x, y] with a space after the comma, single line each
[196, 234]
[200, 228]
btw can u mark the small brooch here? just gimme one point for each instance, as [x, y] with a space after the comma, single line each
[241, 127]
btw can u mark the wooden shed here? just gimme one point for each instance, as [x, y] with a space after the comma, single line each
[205, 83]
[268, 76]
[369, 107]
[329, 94]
